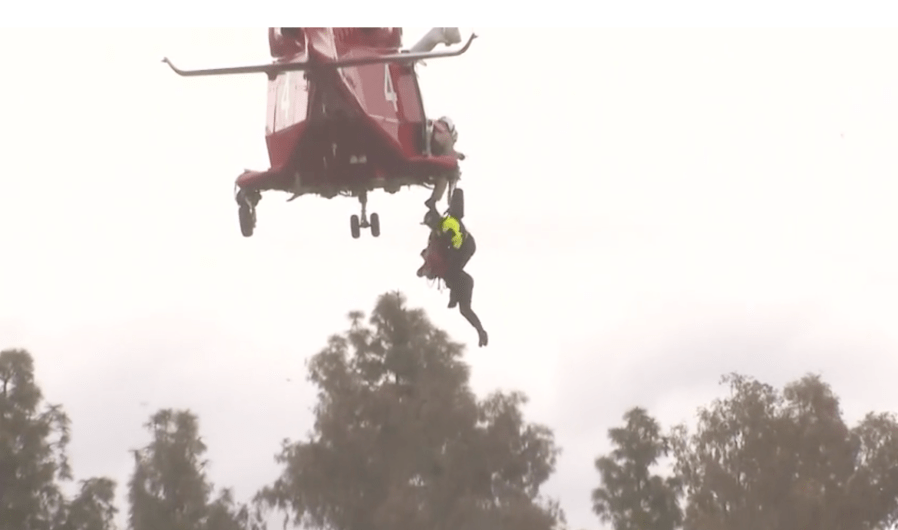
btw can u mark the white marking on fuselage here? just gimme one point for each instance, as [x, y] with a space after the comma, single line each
[286, 103]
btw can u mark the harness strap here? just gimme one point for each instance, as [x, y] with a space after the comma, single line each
[438, 282]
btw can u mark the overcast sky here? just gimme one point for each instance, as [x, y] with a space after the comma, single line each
[654, 208]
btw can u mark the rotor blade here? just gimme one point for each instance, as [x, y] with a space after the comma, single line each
[274, 69]
[270, 69]
[400, 57]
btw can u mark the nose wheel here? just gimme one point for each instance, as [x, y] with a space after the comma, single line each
[356, 223]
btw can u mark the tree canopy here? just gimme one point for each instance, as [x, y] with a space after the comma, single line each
[631, 497]
[169, 487]
[400, 441]
[757, 459]
[34, 436]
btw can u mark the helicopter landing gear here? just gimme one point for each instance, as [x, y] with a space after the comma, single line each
[246, 210]
[356, 224]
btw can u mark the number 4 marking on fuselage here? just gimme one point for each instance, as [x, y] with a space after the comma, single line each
[389, 92]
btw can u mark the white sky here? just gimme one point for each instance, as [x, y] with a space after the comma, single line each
[653, 207]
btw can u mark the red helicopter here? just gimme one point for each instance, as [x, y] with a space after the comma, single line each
[353, 121]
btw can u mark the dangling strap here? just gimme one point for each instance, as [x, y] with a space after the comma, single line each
[438, 282]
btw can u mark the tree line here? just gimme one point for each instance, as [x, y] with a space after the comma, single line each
[400, 442]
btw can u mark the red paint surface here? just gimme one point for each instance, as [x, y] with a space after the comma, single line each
[360, 121]
[434, 261]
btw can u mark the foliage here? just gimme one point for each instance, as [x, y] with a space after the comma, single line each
[631, 498]
[33, 462]
[400, 442]
[169, 488]
[763, 459]
[33, 440]
[93, 508]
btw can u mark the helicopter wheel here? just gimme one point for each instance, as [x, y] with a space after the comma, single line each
[375, 225]
[246, 210]
[247, 217]
[355, 226]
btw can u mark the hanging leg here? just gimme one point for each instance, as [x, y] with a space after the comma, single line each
[439, 188]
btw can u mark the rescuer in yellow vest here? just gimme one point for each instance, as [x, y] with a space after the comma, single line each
[457, 246]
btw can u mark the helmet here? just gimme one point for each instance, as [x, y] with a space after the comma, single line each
[451, 126]
[431, 219]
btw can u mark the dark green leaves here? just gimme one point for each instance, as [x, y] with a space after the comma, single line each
[401, 443]
[759, 458]
[631, 497]
[34, 436]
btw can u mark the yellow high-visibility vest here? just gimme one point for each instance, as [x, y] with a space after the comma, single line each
[451, 223]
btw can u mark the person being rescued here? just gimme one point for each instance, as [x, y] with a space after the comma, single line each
[450, 247]
[443, 136]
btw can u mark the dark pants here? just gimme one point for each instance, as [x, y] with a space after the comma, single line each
[458, 259]
[463, 292]
[460, 283]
